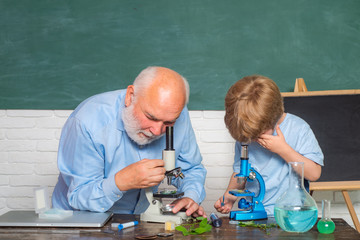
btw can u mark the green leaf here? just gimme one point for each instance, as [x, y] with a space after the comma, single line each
[182, 229]
[203, 227]
[200, 230]
[203, 223]
[208, 228]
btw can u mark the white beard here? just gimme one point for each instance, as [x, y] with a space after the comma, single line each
[133, 130]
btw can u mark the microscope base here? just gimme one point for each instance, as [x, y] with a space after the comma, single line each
[162, 218]
[243, 215]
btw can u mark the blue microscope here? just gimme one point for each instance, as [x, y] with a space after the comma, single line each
[254, 209]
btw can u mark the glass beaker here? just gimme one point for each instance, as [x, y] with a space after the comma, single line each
[325, 224]
[295, 210]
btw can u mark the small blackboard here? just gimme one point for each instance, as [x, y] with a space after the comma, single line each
[335, 120]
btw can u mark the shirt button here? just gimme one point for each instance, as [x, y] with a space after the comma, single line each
[118, 196]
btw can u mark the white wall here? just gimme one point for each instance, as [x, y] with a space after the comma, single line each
[28, 148]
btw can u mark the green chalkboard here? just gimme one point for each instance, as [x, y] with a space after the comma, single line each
[54, 54]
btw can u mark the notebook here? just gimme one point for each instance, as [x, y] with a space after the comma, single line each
[31, 219]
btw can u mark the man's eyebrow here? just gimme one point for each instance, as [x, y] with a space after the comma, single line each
[149, 115]
[170, 122]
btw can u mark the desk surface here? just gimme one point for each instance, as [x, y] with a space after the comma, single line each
[227, 231]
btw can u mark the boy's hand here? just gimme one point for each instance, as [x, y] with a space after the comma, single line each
[273, 143]
[224, 204]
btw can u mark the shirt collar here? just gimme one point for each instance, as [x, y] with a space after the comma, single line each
[120, 123]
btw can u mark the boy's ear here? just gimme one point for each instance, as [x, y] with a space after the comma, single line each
[129, 95]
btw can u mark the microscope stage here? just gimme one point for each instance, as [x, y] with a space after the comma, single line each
[168, 195]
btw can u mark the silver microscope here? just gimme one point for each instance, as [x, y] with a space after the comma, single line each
[157, 210]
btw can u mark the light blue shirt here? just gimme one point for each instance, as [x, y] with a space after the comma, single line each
[272, 167]
[94, 146]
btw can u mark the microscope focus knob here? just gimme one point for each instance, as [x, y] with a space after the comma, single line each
[252, 175]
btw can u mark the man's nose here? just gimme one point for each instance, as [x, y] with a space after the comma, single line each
[158, 128]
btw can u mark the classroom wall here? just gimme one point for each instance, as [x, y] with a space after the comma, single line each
[54, 54]
[28, 149]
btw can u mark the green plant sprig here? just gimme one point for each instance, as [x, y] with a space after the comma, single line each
[262, 226]
[190, 228]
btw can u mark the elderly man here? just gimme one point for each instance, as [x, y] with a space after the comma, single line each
[111, 147]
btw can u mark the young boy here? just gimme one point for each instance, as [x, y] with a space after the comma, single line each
[254, 114]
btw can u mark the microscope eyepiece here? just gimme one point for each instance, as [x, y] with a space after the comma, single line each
[244, 151]
[169, 138]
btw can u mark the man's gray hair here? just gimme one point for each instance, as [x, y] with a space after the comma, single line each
[146, 76]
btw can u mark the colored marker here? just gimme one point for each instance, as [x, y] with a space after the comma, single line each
[121, 226]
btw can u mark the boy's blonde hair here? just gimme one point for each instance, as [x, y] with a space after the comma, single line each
[253, 105]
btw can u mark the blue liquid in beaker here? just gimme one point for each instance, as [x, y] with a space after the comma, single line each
[296, 219]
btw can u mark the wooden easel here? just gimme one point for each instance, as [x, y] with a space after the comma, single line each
[300, 85]
[300, 89]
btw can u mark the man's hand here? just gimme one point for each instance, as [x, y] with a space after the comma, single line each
[273, 143]
[192, 208]
[142, 174]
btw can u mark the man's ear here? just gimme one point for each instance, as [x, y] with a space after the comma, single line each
[129, 95]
